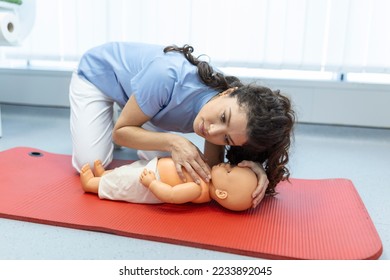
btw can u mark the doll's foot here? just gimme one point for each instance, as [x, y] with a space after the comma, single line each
[86, 174]
[98, 168]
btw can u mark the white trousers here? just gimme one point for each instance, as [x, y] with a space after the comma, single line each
[91, 125]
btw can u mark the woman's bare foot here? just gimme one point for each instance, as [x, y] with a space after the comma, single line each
[98, 168]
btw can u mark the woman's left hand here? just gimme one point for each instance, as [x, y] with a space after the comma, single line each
[263, 182]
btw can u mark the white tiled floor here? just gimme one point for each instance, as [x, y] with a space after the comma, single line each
[360, 154]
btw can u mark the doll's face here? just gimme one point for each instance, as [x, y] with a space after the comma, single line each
[232, 187]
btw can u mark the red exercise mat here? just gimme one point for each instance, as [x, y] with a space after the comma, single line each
[308, 219]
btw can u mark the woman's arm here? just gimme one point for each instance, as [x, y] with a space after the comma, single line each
[129, 133]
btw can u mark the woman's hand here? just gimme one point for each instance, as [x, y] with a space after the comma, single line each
[185, 154]
[262, 185]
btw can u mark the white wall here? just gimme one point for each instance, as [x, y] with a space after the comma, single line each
[323, 102]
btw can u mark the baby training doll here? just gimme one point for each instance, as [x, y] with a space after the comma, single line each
[157, 181]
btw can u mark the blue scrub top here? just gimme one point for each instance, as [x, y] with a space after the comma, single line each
[166, 85]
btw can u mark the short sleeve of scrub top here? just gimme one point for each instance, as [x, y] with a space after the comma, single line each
[152, 87]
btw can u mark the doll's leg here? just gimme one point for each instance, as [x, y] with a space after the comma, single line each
[89, 182]
[99, 169]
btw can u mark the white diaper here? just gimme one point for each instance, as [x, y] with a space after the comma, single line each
[123, 183]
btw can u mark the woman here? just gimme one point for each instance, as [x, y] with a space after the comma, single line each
[169, 90]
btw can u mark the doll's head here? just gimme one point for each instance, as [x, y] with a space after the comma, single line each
[232, 187]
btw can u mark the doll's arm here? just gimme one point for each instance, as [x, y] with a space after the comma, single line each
[177, 194]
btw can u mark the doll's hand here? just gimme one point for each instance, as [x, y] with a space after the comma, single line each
[147, 177]
[262, 184]
[186, 154]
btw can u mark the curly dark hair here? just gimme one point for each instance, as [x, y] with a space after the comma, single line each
[270, 120]
[270, 128]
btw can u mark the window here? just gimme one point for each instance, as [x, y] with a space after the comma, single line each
[324, 36]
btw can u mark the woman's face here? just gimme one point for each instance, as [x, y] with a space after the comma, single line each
[222, 122]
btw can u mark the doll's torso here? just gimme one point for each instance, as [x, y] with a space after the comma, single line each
[167, 172]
